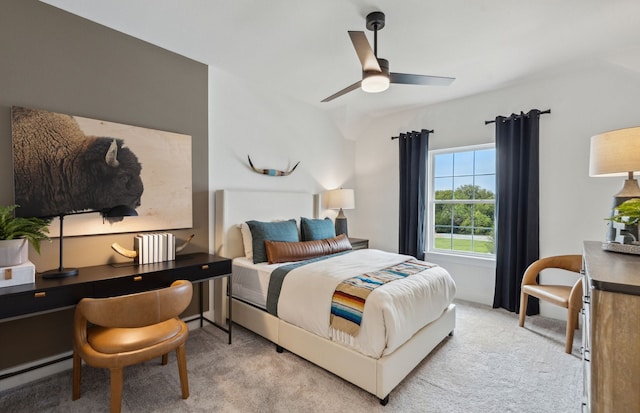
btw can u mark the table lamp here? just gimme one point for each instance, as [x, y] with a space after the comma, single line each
[617, 153]
[115, 213]
[341, 199]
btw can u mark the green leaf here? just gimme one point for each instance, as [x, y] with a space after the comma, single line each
[627, 212]
[33, 230]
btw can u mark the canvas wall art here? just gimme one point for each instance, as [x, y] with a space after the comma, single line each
[67, 164]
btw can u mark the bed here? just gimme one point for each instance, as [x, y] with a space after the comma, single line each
[373, 366]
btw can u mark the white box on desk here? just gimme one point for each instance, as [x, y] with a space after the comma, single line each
[18, 274]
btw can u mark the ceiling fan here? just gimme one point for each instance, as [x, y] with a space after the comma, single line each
[375, 71]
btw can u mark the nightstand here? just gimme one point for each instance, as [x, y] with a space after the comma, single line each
[359, 243]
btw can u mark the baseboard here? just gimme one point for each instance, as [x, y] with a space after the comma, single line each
[35, 370]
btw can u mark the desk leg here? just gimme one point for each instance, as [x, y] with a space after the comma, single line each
[221, 314]
[200, 304]
[229, 298]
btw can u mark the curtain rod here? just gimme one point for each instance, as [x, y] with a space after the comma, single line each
[486, 122]
[423, 130]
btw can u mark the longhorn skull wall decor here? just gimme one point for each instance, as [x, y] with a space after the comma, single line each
[272, 172]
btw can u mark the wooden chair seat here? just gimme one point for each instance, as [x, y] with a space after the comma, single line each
[555, 294]
[567, 296]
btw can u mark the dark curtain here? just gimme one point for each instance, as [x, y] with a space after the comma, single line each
[517, 206]
[413, 188]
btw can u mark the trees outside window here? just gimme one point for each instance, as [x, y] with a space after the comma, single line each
[462, 201]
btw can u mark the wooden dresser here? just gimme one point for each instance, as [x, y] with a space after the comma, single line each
[611, 332]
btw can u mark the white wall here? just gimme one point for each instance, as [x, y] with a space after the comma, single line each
[276, 132]
[590, 98]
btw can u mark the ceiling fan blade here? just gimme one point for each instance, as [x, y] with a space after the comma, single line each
[407, 79]
[364, 51]
[343, 91]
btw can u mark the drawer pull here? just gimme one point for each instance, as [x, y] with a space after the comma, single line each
[137, 278]
[8, 274]
[205, 267]
[40, 294]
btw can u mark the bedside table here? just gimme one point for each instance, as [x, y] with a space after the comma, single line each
[359, 243]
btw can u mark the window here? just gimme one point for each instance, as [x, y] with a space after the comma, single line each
[462, 201]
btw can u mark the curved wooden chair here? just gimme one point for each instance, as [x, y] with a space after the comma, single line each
[567, 296]
[131, 329]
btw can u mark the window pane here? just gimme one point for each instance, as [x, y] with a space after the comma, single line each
[483, 241]
[443, 188]
[463, 187]
[462, 214]
[485, 187]
[485, 161]
[483, 216]
[443, 165]
[462, 240]
[442, 241]
[463, 163]
[442, 216]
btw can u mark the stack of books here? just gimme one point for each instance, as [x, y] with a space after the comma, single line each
[155, 247]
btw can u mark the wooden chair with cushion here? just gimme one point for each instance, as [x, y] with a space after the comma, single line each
[567, 296]
[131, 329]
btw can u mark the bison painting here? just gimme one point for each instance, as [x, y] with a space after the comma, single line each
[59, 170]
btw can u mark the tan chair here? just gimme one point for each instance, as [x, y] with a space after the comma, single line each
[131, 329]
[569, 297]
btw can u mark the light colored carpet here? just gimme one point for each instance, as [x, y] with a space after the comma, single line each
[489, 365]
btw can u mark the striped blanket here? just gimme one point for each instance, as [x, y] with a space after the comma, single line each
[349, 298]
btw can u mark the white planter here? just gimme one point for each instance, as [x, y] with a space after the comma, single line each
[13, 252]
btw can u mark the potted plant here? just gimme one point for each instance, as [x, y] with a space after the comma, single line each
[628, 212]
[15, 232]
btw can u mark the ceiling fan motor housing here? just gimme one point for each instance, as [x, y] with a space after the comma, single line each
[375, 20]
[384, 67]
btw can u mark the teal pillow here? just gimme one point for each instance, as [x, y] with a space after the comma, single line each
[271, 231]
[315, 229]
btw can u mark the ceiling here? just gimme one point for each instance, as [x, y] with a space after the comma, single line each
[300, 48]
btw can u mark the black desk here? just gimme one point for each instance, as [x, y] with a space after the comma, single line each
[114, 279]
[108, 280]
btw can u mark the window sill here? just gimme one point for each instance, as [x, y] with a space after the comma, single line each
[487, 262]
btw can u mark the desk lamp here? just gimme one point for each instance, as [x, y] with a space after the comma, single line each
[107, 214]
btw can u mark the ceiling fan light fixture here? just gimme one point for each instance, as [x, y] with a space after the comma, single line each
[374, 82]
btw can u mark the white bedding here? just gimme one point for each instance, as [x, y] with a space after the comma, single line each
[393, 312]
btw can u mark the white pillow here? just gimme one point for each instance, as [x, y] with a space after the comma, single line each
[247, 240]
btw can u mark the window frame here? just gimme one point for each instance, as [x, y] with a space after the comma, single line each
[431, 202]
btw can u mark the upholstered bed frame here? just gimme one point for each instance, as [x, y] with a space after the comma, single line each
[379, 376]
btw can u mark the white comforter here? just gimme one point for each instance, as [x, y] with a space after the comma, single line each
[393, 313]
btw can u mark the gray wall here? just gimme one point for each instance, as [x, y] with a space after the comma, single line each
[53, 60]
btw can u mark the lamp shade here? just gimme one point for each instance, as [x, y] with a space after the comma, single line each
[615, 153]
[119, 211]
[341, 199]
